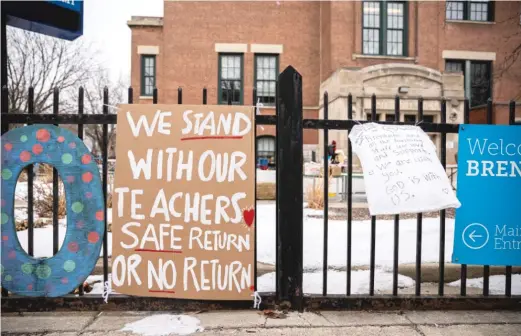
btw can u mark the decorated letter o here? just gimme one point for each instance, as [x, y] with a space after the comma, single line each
[74, 262]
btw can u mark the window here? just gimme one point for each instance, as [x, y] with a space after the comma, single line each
[266, 148]
[428, 118]
[476, 10]
[370, 118]
[478, 86]
[479, 83]
[389, 117]
[266, 72]
[230, 79]
[384, 28]
[148, 74]
[409, 118]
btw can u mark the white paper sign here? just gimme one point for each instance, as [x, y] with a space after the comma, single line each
[402, 172]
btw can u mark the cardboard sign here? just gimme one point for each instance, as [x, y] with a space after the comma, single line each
[488, 226]
[184, 202]
[402, 172]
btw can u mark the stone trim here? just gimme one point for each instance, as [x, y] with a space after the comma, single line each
[266, 48]
[151, 21]
[470, 21]
[146, 97]
[147, 50]
[469, 55]
[231, 47]
[384, 57]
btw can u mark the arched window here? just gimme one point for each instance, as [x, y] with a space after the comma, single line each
[266, 148]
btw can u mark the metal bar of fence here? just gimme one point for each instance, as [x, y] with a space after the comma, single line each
[349, 197]
[508, 269]
[104, 164]
[5, 107]
[373, 220]
[419, 220]
[55, 186]
[396, 217]
[443, 159]
[290, 196]
[80, 135]
[30, 183]
[254, 103]
[466, 120]
[179, 95]
[4, 129]
[277, 178]
[326, 197]
[205, 96]
[91, 119]
[486, 268]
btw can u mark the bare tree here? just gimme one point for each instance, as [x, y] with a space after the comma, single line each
[94, 91]
[45, 63]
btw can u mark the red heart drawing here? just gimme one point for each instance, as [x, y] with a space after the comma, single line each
[249, 216]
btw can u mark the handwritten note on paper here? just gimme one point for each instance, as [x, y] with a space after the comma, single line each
[184, 202]
[402, 172]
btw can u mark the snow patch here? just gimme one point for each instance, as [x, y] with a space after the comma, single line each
[496, 284]
[43, 241]
[361, 240]
[165, 324]
[336, 282]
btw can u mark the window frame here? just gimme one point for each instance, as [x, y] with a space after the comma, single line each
[143, 76]
[467, 8]
[468, 90]
[219, 77]
[382, 44]
[270, 138]
[277, 72]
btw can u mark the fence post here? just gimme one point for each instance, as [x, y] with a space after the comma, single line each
[290, 187]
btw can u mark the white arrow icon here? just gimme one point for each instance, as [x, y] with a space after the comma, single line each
[469, 239]
[474, 235]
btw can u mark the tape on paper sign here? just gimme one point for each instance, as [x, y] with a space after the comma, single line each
[62, 273]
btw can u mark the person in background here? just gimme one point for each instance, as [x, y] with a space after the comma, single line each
[332, 152]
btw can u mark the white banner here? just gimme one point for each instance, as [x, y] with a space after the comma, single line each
[402, 172]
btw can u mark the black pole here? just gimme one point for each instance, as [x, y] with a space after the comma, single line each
[4, 59]
[290, 187]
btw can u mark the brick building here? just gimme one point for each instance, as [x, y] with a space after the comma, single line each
[452, 49]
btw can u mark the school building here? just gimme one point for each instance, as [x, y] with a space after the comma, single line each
[432, 49]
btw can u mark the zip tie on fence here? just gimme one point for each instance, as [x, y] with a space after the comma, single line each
[257, 300]
[114, 107]
[107, 290]
[257, 110]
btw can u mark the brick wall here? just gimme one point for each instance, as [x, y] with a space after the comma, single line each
[318, 38]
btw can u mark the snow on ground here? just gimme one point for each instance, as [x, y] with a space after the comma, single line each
[96, 281]
[165, 324]
[313, 240]
[43, 240]
[335, 186]
[336, 282]
[361, 235]
[496, 284]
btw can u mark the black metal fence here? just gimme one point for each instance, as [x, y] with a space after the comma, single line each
[289, 219]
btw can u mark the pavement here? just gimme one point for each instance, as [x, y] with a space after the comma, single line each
[330, 323]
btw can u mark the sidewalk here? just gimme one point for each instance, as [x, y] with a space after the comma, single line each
[330, 323]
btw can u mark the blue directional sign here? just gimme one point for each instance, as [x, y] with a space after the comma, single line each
[488, 223]
[62, 18]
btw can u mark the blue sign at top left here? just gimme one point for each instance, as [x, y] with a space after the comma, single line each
[59, 18]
